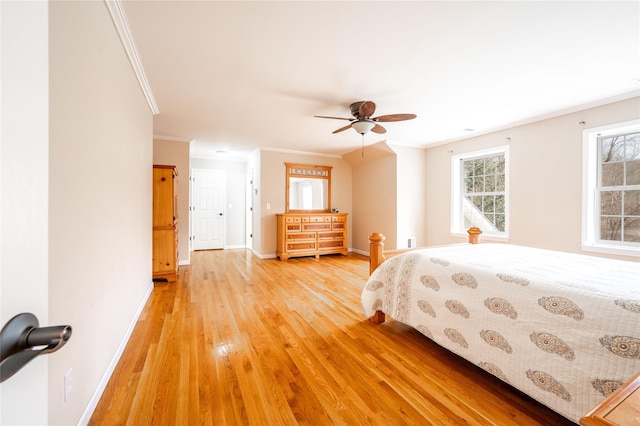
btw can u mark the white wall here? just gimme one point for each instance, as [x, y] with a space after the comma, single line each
[24, 168]
[545, 177]
[411, 208]
[100, 193]
[374, 195]
[235, 214]
[76, 197]
[177, 154]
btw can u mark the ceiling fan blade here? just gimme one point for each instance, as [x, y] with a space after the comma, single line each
[335, 118]
[394, 117]
[341, 129]
[367, 108]
[379, 129]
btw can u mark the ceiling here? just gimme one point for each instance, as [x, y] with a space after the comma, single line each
[234, 76]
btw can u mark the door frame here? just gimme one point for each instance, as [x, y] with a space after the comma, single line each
[248, 236]
[192, 207]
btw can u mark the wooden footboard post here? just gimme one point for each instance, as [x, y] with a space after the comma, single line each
[474, 233]
[376, 247]
[376, 257]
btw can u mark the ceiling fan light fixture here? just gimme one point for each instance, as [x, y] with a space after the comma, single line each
[363, 126]
[363, 122]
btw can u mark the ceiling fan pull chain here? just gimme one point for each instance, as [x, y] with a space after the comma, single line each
[363, 145]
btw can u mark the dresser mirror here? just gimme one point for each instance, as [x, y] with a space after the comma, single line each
[308, 188]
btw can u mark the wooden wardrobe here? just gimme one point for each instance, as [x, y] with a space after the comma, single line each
[165, 231]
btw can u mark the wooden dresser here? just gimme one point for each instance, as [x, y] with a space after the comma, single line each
[311, 234]
[621, 408]
[165, 233]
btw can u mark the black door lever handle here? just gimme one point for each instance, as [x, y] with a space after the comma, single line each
[19, 339]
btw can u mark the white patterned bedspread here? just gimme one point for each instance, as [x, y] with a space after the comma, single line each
[563, 328]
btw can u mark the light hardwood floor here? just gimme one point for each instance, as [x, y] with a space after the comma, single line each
[243, 341]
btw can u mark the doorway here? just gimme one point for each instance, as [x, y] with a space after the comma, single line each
[208, 190]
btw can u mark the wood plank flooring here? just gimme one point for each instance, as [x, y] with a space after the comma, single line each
[243, 341]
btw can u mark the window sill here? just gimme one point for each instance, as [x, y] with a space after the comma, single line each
[620, 251]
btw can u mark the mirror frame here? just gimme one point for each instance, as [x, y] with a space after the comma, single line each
[297, 170]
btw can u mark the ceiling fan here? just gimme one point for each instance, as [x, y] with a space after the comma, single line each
[364, 122]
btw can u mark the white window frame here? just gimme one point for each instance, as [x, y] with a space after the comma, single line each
[590, 204]
[457, 221]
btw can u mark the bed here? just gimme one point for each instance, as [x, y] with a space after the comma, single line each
[563, 328]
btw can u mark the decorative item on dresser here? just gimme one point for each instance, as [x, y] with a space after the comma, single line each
[311, 234]
[165, 234]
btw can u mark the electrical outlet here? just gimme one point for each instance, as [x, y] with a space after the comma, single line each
[68, 385]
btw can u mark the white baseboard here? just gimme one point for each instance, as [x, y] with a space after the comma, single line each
[95, 398]
[265, 256]
[233, 247]
[362, 252]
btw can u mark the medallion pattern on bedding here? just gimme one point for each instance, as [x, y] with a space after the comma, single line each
[552, 344]
[606, 387]
[501, 306]
[630, 305]
[563, 328]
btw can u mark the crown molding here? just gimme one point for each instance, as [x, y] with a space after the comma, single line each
[171, 138]
[119, 18]
[291, 151]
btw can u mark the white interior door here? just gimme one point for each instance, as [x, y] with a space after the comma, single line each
[207, 215]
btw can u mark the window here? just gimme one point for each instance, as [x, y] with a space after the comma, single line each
[611, 194]
[480, 187]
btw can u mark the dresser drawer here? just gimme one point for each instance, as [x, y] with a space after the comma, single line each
[292, 227]
[330, 235]
[330, 244]
[310, 245]
[294, 219]
[317, 219]
[316, 226]
[301, 236]
[337, 225]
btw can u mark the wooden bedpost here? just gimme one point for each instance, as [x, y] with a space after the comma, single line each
[474, 233]
[376, 257]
